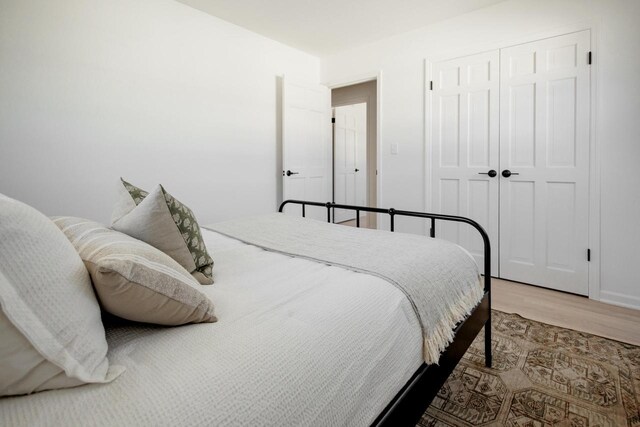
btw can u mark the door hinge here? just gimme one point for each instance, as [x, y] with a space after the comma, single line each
[589, 58]
[589, 255]
[333, 119]
[431, 85]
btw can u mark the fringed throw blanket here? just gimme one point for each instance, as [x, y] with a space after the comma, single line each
[440, 279]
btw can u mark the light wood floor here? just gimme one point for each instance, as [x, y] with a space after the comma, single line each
[567, 310]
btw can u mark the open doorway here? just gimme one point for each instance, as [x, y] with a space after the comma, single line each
[354, 111]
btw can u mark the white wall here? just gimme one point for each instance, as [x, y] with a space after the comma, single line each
[155, 91]
[617, 121]
[151, 90]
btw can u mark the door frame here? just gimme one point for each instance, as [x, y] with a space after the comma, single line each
[594, 277]
[363, 78]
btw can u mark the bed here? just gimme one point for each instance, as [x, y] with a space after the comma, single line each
[296, 344]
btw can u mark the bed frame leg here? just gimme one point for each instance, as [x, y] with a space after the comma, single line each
[488, 358]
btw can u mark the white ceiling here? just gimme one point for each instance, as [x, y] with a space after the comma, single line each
[327, 26]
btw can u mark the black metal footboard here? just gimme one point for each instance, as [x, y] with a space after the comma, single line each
[412, 400]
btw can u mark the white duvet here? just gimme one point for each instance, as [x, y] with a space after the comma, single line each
[297, 343]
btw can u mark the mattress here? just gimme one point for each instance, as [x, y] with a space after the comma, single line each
[297, 343]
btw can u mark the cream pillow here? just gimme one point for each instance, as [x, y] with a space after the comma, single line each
[51, 333]
[162, 221]
[134, 280]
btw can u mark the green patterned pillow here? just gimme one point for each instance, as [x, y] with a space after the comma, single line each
[137, 194]
[162, 221]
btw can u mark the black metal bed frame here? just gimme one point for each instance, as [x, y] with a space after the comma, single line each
[416, 395]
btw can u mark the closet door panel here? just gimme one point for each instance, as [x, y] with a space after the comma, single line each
[544, 132]
[465, 133]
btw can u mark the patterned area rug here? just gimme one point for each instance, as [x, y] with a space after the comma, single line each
[542, 375]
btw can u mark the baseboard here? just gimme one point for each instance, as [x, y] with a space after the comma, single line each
[621, 300]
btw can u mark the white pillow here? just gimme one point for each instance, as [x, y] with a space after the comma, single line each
[46, 302]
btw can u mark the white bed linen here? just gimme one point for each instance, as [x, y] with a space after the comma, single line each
[440, 279]
[297, 343]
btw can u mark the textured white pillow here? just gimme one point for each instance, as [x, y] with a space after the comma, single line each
[46, 296]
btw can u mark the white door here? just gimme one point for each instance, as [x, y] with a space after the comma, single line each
[349, 158]
[544, 132]
[306, 145]
[465, 147]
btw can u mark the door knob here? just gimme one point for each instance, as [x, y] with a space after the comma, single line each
[357, 170]
[289, 173]
[492, 173]
[507, 173]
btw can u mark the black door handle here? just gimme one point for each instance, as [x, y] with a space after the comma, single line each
[357, 170]
[492, 173]
[289, 173]
[507, 173]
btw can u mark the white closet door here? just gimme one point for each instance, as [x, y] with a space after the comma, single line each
[350, 158]
[465, 148]
[306, 145]
[544, 132]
